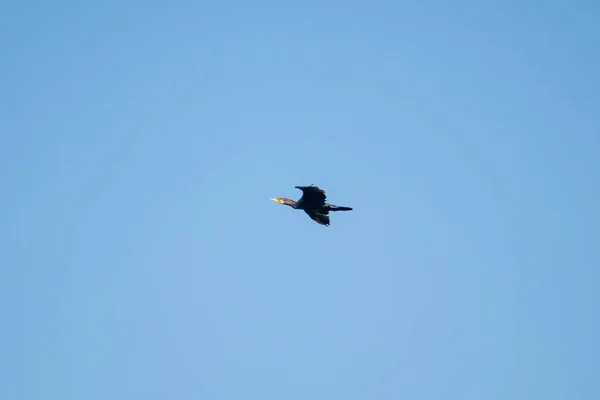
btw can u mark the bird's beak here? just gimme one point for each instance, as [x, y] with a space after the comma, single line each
[275, 200]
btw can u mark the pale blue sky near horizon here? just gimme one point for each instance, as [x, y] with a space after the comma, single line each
[140, 257]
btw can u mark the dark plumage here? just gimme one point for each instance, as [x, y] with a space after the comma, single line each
[313, 203]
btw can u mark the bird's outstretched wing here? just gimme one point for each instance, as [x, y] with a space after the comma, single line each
[319, 218]
[312, 195]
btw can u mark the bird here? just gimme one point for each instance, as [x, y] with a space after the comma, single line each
[313, 203]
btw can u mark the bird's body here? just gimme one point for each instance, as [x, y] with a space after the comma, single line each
[313, 203]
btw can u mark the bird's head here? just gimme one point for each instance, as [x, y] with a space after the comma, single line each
[284, 201]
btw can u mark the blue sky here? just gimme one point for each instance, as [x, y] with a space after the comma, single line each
[141, 258]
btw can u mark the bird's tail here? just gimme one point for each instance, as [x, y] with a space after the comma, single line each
[339, 208]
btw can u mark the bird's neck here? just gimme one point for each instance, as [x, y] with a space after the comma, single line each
[289, 202]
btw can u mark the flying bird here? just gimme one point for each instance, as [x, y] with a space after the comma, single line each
[313, 203]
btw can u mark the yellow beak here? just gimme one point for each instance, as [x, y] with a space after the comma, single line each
[276, 200]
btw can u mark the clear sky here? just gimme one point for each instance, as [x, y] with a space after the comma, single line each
[141, 258]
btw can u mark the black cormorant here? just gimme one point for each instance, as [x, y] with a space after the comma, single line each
[313, 204]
